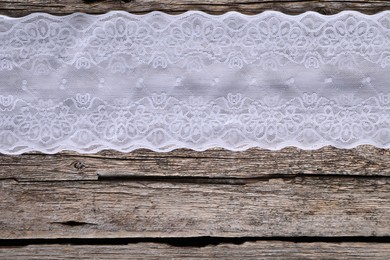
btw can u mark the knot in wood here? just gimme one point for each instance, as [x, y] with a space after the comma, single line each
[79, 165]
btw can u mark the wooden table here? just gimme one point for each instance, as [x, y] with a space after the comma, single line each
[326, 203]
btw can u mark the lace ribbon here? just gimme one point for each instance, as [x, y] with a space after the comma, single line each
[123, 81]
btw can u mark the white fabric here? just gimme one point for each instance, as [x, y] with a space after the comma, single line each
[123, 81]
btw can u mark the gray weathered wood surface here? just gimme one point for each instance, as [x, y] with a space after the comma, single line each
[277, 207]
[327, 193]
[24, 7]
[252, 250]
[214, 163]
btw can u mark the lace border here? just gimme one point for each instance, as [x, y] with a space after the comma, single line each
[124, 81]
[162, 123]
[270, 39]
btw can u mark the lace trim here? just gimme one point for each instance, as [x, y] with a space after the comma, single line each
[193, 39]
[123, 81]
[162, 123]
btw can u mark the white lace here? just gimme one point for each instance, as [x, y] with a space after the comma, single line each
[123, 81]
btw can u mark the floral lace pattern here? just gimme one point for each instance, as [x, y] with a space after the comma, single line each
[162, 123]
[120, 41]
[123, 81]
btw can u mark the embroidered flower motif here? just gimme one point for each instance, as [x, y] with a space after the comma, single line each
[42, 67]
[269, 62]
[195, 121]
[45, 125]
[198, 37]
[384, 99]
[193, 64]
[160, 61]
[118, 36]
[118, 65]
[159, 100]
[310, 99]
[235, 62]
[114, 33]
[43, 38]
[346, 38]
[312, 60]
[83, 63]
[6, 102]
[83, 100]
[385, 60]
[5, 64]
[273, 39]
[234, 100]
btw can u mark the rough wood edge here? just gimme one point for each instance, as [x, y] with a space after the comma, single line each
[251, 250]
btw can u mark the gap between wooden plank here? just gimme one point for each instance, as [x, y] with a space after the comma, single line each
[192, 241]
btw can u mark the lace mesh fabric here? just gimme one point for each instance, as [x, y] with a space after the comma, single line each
[123, 81]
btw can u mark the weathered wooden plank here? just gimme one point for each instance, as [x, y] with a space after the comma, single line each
[249, 250]
[22, 7]
[312, 206]
[364, 160]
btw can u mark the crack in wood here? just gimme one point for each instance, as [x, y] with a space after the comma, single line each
[73, 223]
[193, 241]
[300, 177]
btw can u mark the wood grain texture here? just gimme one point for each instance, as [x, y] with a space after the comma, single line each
[286, 207]
[249, 250]
[22, 7]
[214, 163]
